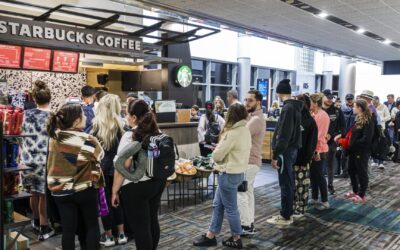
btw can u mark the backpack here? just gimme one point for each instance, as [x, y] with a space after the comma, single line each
[380, 145]
[212, 131]
[160, 156]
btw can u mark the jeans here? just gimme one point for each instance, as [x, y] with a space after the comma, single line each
[358, 171]
[318, 181]
[226, 200]
[79, 212]
[141, 202]
[286, 182]
[246, 199]
[345, 162]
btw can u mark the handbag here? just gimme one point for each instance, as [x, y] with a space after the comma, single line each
[243, 186]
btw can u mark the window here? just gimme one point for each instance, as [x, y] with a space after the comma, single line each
[306, 60]
[221, 73]
[199, 71]
[201, 95]
[220, 91]
[263, 73]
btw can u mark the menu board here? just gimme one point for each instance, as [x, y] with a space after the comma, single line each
[65, 61]
[10, 56]
[37, 59]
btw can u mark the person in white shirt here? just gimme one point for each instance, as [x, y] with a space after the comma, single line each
[384, 115]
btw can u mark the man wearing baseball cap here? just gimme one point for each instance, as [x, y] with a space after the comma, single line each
[336, 127]
[349, 117]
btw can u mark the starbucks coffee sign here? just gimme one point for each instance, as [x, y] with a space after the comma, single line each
[183, 76]
[35, 33]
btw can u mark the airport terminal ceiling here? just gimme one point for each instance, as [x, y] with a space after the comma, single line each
[366, 29]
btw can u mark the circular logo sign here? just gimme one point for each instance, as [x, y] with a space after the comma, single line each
[183, 76]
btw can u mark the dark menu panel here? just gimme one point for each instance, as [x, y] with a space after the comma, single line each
[38, 59]
[65, 61]
[10, 56]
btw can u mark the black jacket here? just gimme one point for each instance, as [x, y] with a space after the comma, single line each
[338, 123]
[288, 130]
[361, 138]
[309, 137]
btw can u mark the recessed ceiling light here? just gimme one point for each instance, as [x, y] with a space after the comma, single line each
[323, 15]
[360, 31]
[387, 42]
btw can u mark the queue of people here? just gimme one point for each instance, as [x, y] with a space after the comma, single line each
[79, 158]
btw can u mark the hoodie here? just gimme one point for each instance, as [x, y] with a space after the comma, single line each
[288, 130]
[309, 136]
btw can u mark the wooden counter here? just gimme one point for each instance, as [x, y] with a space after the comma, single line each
[185, 137]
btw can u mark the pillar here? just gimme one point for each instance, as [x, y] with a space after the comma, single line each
[244, 66]
[347, 78]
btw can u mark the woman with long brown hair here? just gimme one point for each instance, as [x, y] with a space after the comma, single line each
[358, 143]
[141, 198]
[231, 157]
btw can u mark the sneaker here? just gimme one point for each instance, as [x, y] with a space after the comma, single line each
[349, 195]
[331, 190]
[381, 166]
[374, 165]
[247, 231]
[122, 239]
[35, 226]
[205, 242]
[45, 233]
[357, 199]
[323, 206]
[297, 215]
[279, 220]
[107, 241]
[313, 202]
[237, 244]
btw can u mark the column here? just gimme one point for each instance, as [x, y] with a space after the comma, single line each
[347, 78]
[244, 66]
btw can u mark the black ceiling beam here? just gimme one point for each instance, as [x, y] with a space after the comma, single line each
[178, 38]
[105, 22]
[148, 29]
[46, 15]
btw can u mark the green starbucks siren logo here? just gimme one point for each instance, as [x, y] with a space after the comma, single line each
[183, 76]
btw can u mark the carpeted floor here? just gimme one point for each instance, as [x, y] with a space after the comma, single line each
[374, 225]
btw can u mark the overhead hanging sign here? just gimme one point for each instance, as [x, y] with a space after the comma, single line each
[36, 33]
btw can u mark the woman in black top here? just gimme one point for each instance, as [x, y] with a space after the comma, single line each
[359, 150]
[309, 136]
[108, 128]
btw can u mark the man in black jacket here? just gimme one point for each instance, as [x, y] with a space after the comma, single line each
[309, 137]
[285, 144]
[336, 127]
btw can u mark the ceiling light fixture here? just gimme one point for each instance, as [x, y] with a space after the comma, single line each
[360, 31]
[387, 42]
[323, 14]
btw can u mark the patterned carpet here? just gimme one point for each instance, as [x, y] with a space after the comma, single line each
[374, 225]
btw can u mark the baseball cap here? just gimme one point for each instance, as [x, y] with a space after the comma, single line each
[349, 97]
[328, 93]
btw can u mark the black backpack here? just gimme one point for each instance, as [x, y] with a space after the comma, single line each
[380, 144]
[160, 156]
[212, 131]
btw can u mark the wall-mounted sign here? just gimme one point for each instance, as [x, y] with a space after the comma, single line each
[183, 76]
[263, 86]
[41, 34]
[65, 61]
[37, 59]
[10, 56]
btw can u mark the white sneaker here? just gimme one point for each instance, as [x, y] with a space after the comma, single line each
[279, 220]
[381, 166]
[374, 165]
[323, 206]
[107, 241]
[313, 202]
[122, 239]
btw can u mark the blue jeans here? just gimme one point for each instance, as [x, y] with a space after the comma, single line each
[286, 182]
[226, 199]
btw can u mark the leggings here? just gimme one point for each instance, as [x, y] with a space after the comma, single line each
[318, 181]
[79, 212]
[358, 172]
[141, 202]
[115, 216]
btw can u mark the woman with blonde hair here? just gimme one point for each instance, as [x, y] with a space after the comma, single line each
[358, 142]
[108, 129]
[219, 107]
